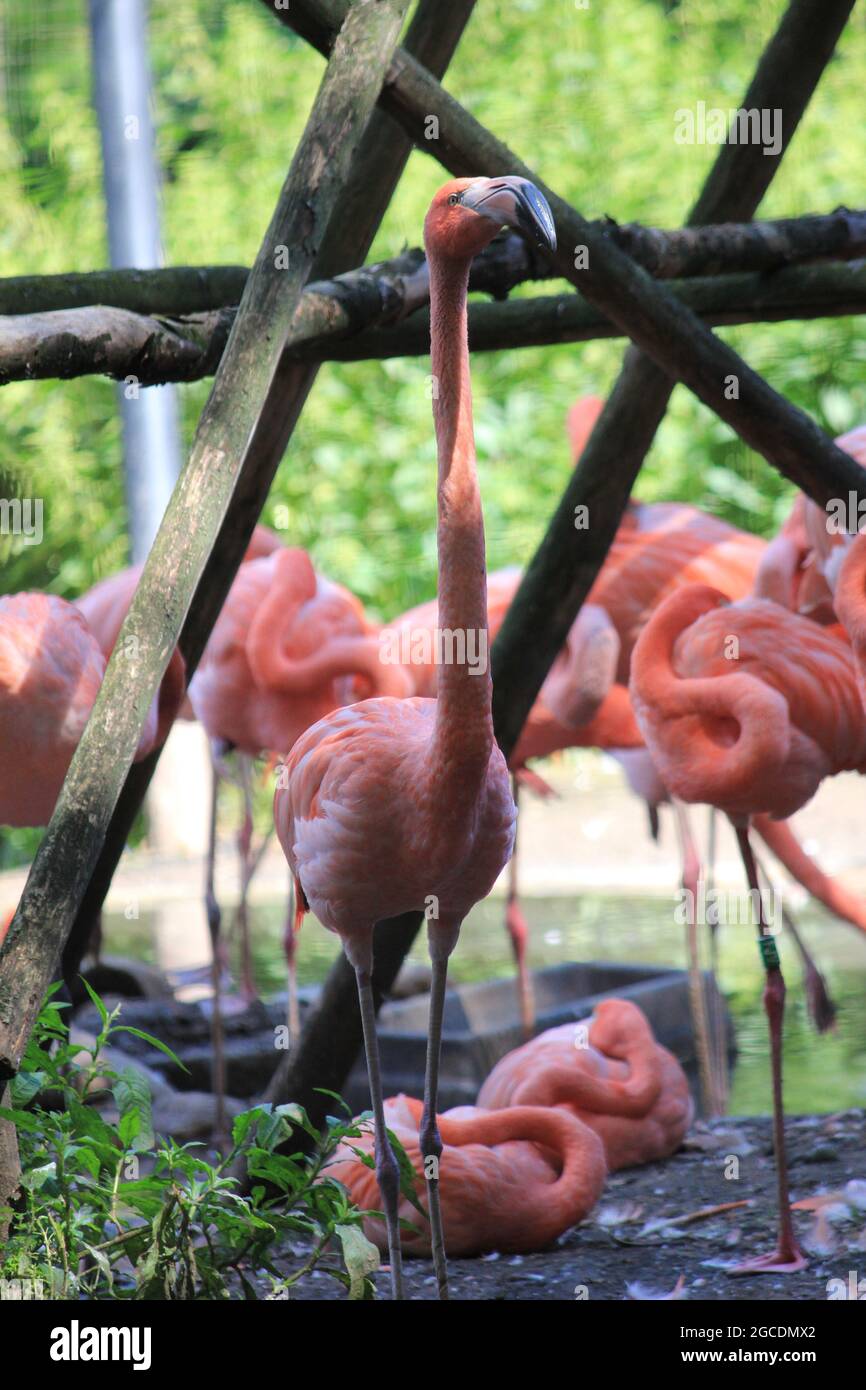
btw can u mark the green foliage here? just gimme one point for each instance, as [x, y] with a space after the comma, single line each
[587, 96]
[109, 1210]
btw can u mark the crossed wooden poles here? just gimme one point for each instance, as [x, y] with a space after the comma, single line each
[373, 104]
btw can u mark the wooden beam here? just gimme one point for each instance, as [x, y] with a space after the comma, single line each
[723, 249]
[360, 317]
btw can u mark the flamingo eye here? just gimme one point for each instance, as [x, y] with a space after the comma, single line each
[453, 198]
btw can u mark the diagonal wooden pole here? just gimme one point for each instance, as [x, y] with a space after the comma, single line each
[205, 497]
[375, 171]
[561, 573]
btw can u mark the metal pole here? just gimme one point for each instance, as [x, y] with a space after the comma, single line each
[121, 79]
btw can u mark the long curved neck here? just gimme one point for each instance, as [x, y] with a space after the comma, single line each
[464, 730]
[275, 670]
[578, 1149]
[673, 712]
[599, 1095]
[850, 598]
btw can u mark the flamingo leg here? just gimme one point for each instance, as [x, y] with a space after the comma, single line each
[387, 1171]
[290, 948]
[691, 885]
[214, 922]
[787, 1258]
[429, 1138]
[822, 1009]
[717, 1021]
[248, 864]
[518, 930]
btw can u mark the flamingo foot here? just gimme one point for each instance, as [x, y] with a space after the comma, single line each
[785, 1260]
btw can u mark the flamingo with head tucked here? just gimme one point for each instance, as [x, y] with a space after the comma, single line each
[51, 668]
[510, 1180]
[394, 805]
[611, 1074]
[801, 566]
[748, 707]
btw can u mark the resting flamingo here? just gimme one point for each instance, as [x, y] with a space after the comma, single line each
[610, 1073]
[748, 707]
[51, 668]
[105, 607]
[801, 565]
[510, 1180]
[393, 805]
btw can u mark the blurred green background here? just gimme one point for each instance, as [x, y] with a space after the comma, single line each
[586, 96]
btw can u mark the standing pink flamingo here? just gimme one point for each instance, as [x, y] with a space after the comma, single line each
[393, 805]
[748, 707]
[106, 605]
[284, 652]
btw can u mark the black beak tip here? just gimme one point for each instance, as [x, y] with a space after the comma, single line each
[536, 219]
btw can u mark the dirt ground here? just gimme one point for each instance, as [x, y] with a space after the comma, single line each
[622, 1252]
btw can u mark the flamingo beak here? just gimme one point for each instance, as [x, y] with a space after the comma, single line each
[514, 202]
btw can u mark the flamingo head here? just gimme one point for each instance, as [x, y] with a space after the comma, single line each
[466, 214]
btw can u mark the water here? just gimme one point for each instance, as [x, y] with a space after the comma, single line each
[821, 1073]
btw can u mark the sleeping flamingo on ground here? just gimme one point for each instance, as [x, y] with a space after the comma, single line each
[394, 805]
[510, 1180]
[748, 707]
[611, 1073]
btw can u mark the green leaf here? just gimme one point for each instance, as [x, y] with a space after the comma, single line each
[131, 1092]
[21, 1119]
[323, 1091]
[26, 1085]
[360, 1255]
[408, 1176]
[88, 1160]
[103, 1263]
[154, 1042]
[89, 1123]
[96, 1001]
[243, 1123]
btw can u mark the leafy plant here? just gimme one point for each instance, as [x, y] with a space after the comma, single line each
[109, 1210]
